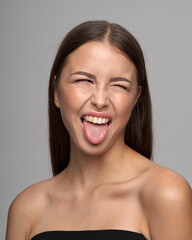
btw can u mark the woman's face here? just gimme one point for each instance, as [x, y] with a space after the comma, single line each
[96, 93]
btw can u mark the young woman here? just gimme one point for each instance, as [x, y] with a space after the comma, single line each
[105, 186]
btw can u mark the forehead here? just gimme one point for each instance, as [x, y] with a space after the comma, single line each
[99, 57]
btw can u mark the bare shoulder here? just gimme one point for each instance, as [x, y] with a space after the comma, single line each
[167, 200]
[25, 209]
[165, 183]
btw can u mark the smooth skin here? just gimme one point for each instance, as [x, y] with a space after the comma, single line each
[107, 185]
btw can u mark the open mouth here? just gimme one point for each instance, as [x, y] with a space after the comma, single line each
[95, 128]
[96, 120]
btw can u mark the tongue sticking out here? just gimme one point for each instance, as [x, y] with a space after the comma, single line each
[95, 133]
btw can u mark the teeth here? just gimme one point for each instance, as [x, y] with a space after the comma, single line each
[100, 121]
[96, 119]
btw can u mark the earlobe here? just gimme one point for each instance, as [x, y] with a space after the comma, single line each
[138, 94]
[56, 98]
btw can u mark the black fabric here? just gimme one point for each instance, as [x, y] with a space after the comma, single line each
[108, 234]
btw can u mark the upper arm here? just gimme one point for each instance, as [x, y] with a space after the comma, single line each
[169, 210]
[17, 224]
[24, 211]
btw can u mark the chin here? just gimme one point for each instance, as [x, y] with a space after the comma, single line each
[94, 149]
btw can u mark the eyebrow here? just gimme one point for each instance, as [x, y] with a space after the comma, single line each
[120, 79]
[89, 75]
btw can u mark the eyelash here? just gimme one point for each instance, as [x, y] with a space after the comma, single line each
[83, 80]
[89, 81]
[120, 86]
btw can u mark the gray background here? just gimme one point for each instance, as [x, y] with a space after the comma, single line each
[30, 34]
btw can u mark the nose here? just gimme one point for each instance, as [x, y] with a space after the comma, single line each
[100, 98]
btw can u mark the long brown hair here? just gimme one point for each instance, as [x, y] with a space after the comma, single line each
[138, 133]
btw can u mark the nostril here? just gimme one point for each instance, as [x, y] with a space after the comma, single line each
[100, 100]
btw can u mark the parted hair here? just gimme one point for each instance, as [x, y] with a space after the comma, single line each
[138, 132]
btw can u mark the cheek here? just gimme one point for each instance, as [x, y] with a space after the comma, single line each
[123, 111]
[124, 106]
[70, 100]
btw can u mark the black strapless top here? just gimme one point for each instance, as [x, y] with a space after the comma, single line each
[106, 234]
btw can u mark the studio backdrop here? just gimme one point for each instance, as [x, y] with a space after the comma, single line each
[30, 33]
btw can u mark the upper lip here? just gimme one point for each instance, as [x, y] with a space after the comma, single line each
[97, 114]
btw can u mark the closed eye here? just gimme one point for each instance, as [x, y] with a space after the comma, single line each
[121, 86]
[83, 80]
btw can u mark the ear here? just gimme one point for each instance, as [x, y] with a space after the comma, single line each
[56, 97]
[138, 94]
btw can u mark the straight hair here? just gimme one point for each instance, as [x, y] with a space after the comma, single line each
[138, 132]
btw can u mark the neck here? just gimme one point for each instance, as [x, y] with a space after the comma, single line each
[89, 171]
